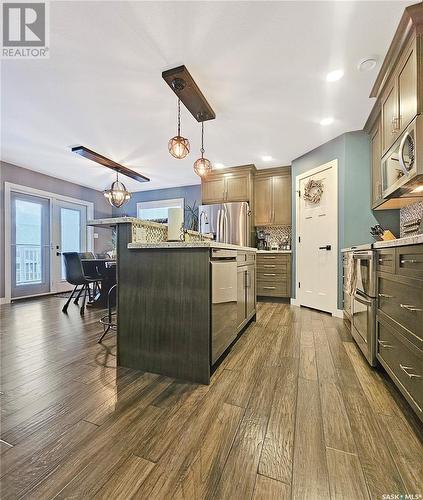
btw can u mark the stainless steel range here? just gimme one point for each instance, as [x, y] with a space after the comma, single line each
[363, 325]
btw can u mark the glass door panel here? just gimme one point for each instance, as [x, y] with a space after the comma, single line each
[30, 245]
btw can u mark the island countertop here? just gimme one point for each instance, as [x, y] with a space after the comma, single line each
[188, 244]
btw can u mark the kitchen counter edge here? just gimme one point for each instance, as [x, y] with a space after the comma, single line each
[188, 244]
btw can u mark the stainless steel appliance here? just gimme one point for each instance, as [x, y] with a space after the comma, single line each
[402, 165]
[224, 301]
[228, 222]
[363, 308]
[261, 239]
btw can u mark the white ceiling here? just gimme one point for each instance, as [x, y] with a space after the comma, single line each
[261, 65]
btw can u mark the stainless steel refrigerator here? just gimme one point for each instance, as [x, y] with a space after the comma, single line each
[228, 222]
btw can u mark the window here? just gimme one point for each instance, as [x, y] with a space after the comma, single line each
[157, 211]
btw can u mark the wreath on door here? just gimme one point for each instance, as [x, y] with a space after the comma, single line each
[313, 191]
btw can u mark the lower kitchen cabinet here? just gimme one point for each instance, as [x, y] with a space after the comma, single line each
[400, 320]
[274, 274]
[246, 287]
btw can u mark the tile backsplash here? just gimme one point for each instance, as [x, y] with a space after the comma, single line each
[277, 233]
[409, 214]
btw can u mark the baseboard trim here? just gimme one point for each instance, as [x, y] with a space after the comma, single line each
[4, 300]
[294, 302]
[339, 313]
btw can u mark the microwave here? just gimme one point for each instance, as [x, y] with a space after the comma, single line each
[402, 165]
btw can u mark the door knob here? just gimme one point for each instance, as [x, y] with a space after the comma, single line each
[326, 247]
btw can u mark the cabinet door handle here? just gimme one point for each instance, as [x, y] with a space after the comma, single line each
[409, 261]
[385, 344]
[405, 370]
[410, 308]
[269, 287]
[386, 296]
[273, 258]
[269, 265]
[269, 274]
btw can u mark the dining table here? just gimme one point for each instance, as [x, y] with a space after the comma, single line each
[106, 269]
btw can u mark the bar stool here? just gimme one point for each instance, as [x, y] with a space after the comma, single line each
[107, 320]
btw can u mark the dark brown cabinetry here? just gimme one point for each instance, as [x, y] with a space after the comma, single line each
[273, 197]
[400, 319]
[274, 274]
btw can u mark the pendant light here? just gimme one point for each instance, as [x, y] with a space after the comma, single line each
[178, 146]
[117, 195]
[202, 166]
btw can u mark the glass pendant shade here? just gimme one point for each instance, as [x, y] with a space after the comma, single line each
[117, 195]
[202, 167]
[178, 147]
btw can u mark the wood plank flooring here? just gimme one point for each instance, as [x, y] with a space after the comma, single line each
[293, 412]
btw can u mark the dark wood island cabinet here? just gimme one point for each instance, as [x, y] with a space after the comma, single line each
[179, 306]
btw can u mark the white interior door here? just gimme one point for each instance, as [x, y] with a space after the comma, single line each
[69, 235]
[317, 224]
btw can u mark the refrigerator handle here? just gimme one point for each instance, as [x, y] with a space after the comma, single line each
[218, 223]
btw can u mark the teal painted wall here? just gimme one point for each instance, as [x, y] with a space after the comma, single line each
[352, 150]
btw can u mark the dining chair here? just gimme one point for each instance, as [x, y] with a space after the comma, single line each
[75, 276]
[91, 271]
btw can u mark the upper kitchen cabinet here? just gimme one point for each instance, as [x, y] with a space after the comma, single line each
[399, 100]
[227, 185]
[376, 154]
[395, 124]
[272, 197]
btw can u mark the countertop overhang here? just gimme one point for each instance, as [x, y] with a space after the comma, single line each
[188, 244]
[399, 242]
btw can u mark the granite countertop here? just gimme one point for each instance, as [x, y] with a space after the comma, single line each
[274, 251]
[112, 221]
[188, 244]
[407, 240]
[366, 246]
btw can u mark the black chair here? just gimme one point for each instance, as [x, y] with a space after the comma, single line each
[90, 271]
[75, 275]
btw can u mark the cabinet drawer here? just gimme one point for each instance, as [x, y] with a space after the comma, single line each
[404, 361]
[279, 258]
[386, 260]
[271, 289]
[409, 261]
[403, 303]
[245, 258]
[272, 277]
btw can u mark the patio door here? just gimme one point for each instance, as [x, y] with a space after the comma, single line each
[69, 235]
[30, 245]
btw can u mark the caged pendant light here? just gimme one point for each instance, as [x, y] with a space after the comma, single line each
[178, 146]
[202, 166]
[117, 195]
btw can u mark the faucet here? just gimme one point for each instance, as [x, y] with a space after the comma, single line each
[203, 215]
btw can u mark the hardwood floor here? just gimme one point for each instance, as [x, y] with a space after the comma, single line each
[294, 412]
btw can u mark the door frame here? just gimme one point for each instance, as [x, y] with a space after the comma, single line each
[10, 187]
[330, 164]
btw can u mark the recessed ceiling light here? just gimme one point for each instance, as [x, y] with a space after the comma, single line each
[367, 64]
[327, 121]
[266, 158]
[219, 165]
[335, 75]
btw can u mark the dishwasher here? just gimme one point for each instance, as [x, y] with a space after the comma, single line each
[224, 309]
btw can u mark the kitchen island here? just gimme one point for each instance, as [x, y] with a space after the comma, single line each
[182, 305]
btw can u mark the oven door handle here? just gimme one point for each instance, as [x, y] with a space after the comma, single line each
[362, 300]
